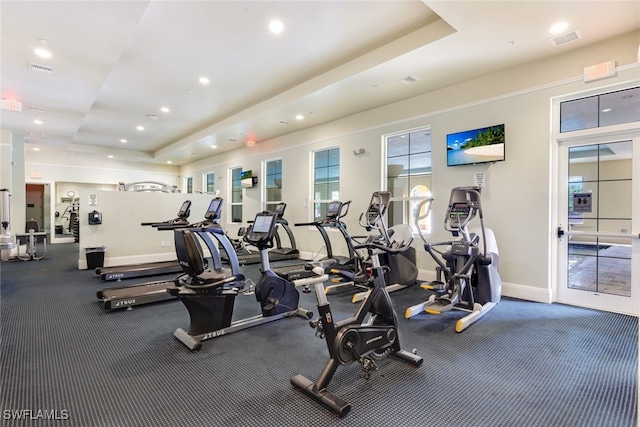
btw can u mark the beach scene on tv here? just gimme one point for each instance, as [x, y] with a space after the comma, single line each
[476, 146]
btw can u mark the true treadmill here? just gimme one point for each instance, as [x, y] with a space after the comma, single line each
[129, 296]
[278, 253]
[121, 272]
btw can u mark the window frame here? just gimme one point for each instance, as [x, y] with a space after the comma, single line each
[408, 215]
[320, 205]
[234, 189]
[265, 183]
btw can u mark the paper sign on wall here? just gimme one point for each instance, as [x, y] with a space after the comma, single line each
[93, 200]
[479, 179]
[582, 202]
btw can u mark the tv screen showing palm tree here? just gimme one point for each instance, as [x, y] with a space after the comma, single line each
[483, 145]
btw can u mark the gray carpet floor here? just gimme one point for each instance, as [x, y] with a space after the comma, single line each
[67, 362]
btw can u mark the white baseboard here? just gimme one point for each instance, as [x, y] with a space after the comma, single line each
[512, 290]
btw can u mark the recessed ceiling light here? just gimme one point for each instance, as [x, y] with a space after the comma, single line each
[203, 80]
[110, 156]
[38, 121]
[169, 162]
[42, 51]
[558, 27]
[214, 146]
[141, 128]
[606, 110]
[36, 149]
[299, 117]
[165, 109]
[124, 141]
[276, 26]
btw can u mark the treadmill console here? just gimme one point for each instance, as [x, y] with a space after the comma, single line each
[280, 210]
[214, 211]
[262, 229]
[333, 210]
[183, 213]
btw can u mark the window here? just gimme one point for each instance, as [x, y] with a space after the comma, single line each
[188, 185]
[236, 195]
[607, 109]
[408, 176]
[209, 183]
[326, 180]
[576, 185]
[273, 184]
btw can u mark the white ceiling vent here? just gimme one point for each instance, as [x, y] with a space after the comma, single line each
[41, 68]
[565, 38]
[409, 79]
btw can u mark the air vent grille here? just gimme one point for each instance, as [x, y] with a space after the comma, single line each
[409, 79]
[565, 38]
[41, 68]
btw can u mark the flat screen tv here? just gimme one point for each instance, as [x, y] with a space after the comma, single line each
[483, 145]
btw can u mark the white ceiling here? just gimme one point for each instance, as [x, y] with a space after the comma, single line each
[117, 63]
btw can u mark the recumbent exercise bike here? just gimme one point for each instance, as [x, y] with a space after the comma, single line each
[209, 294]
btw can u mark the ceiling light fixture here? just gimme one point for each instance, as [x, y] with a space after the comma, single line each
[276, 26]
[124, 141]
[42, 51]
[299, 117]
[165, 109]
[214, 146]
[169, 162]
[607, 110]
[203, 80]
[38, 121]
[36, 149]
[558, 27]
[140, 128]
[110, 156]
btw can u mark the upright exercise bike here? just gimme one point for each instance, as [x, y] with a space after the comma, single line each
[372, 333]
[467, 276]
[209, 294]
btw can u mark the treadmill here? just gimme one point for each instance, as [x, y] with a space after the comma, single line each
[278, 253]
[144, 293]
[152, 268]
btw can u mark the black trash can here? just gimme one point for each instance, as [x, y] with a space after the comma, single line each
[95, 257]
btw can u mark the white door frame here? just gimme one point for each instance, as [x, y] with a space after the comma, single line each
[627, 131]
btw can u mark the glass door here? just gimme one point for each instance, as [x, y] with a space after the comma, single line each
[598, 254]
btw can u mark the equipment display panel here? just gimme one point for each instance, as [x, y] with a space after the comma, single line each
[184, 208]
[214, 210]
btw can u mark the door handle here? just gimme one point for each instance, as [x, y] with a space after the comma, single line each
[560, 232]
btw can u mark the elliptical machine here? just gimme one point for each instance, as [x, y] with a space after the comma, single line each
[209, 295]
[354, 339]
[471, 280]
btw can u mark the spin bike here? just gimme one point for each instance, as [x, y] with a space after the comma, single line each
[209, 295]
[354, 339]
[471, 280]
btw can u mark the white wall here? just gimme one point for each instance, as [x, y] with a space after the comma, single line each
[516, 200]
[126, 241]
